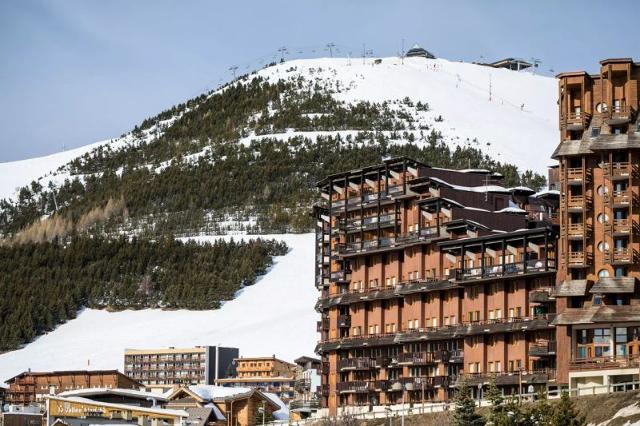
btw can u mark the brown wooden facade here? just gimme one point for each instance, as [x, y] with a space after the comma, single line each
[599, 156]
[31, 387]
[426, 275]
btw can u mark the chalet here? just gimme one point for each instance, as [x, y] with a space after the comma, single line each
[418, 52]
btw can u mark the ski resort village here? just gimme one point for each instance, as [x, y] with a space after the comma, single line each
[349, 239]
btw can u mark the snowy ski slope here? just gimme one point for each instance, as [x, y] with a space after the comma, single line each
[274, 316]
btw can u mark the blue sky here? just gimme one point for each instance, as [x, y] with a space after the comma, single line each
[78, 71]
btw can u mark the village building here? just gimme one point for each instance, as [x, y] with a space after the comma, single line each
[306, 400]
[418, 52]
[77, 411]
[598, 300]
[166, 368]
[224, 405]
[513, 64]
[18, 415]
[427, 275]
[31, 387]
[268, 374]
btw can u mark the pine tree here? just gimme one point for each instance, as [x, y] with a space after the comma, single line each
[465, 414]
[541, 412]
[565, 413]
[494, 396]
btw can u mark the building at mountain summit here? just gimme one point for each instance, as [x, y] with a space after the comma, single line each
[428, 276]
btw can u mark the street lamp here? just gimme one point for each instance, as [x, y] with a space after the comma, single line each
[480, 394]
[397, 386]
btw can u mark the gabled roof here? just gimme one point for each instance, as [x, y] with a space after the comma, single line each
[569, 288]
[204, 394]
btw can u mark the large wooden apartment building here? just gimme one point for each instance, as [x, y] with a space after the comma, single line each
[598, 327]
[32, 387]
[429, 274]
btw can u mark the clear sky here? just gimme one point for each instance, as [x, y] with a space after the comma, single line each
[74, 72]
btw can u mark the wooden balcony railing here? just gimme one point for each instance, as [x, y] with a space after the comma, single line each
[576, 120]
[578, 230]
[620, 169]
[529, 266]
[356, 364]
[620, 226]
[417, 358]
[597, 363]
[578, 202]
[621, 255]
[344, 321]
[618, 198]
[576, 174]
[579, 258]
[543, 348]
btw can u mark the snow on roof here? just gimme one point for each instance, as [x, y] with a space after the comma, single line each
[177, 413]
[545, 192]
[216, 411]
[283, 412]
[511, 210]
[521, 188]
[211, 392]
[481, 188]
[106, 391]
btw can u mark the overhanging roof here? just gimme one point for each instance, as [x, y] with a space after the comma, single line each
[606, 285]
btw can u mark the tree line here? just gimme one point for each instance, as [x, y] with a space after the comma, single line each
[45, 284]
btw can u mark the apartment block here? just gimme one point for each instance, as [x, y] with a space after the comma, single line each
[168, 367]
[32, 387]
[598, 302]
[428, 275]
[268, 374]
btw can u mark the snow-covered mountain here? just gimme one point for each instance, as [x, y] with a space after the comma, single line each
[504, 113]
[510, 116]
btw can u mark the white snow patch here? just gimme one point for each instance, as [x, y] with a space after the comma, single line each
[274, 316]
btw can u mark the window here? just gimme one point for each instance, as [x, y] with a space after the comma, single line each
[603, 246]
[603, 273]
[621, 341]
[597, 299]
[595, 132]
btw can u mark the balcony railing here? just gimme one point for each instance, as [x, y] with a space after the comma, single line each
[579, 258]
[621, 255]
[512, 377]
[576, 174]
[620, 226]
[341, 276]
[371, 197]
[358, 386]
[576, 230]
[618, 198]
[416, 358]
[356, 364]
[576, 120]
[597, 363]
[619, 114]
[530, 266]
[619, 169]
[323, 325]
[541, 295]
[298, 404]
[543, 348]
[344, 321]
[578, 202]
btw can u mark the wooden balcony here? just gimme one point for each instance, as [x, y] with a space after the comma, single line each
[512, 377]
[578, 202]
[579, 259]
[344, 321]
[621, 256]
[355, 364]
[602, 363]
[323, 325]
[357, 386]
[416, 358]
[618, 198]
[577, 175]
[618, 227]
[619, 115]
[576, 120]
[543, 348]
[341, 276]
[578, 231]
[621, 170]
[495, 271]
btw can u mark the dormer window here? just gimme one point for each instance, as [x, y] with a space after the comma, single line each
[595, 132]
